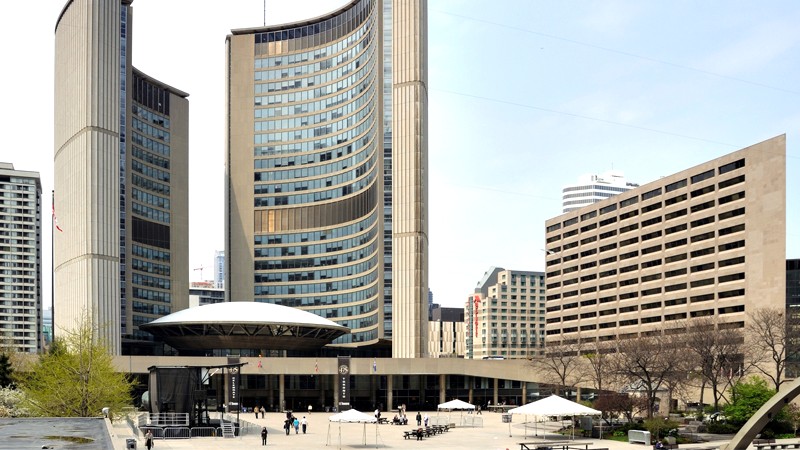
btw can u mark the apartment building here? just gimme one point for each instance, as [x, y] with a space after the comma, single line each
[709, 241]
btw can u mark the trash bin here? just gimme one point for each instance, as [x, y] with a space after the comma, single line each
[130, 444]
[506, 418]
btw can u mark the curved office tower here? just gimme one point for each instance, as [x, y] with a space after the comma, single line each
[120, 177]
[305, 168]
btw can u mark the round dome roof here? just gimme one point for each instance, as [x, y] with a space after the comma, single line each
[245, 324]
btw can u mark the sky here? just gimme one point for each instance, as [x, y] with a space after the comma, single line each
[524, 97]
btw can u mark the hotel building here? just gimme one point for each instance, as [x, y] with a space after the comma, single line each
[709, 241]
[505, 316]
[309, 185]
[594, 188]
[121, 181]
[20, 260]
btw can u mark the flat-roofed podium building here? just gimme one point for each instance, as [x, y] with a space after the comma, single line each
[709, 241]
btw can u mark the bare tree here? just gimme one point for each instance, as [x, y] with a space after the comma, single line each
[649, 364]
[597, 361]
[717, 352]
[561, 365]
[771, 337]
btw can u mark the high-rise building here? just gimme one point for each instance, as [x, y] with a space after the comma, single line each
[709, 241]
[594, 188]
[505, 315]
[314, 143]
[121, 181]
[20, 260]
[219, 269]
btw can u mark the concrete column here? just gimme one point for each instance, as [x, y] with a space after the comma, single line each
[578, 395]
[471, 382]
[389, 393]
[442, 388]
[524, 393]
[282, 392]
[494, 391]
[334, 379]
[373, 387]
[321, 386]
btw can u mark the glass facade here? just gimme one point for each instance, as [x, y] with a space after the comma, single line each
[150, 267]
[317, 160]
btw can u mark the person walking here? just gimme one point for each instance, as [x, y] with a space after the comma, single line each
[255, 410]
[148, 440]
[296, 426]
[304, 423]
[419, 419]
[478, 408]
[426, 419]
[264, 436]
[287, 425]
[309, 409]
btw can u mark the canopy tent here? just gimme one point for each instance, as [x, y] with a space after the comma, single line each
[454, 405]
[353, 416]
[553, 406]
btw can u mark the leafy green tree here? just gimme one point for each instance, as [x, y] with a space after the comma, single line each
[76, 378]
[746, 398]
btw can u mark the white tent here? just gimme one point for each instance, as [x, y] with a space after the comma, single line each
[353, 416]
[553, 406]
[454, 405]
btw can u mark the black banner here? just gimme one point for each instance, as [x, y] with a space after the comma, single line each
[233, 376]
[343, 379]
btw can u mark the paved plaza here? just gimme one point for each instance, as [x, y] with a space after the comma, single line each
[321, 434]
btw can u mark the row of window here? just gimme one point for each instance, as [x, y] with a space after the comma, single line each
[365, 151]
[339, 272]
[306, 263]
[150, 144]
[150, 213]
[668, 188]
[320, 300]
[319, 183]
[319, 288]
[149, 116]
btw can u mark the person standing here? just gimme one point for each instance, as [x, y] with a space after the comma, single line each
[148, 440]
[264, 436]
[425, 419]
[309, 410]
[419, 419]
[304, 423]
[255, 410]
[263, 410]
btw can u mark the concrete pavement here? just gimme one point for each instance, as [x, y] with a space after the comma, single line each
[321, 434]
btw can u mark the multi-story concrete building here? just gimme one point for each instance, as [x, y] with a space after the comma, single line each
[20, 260]
[594, 188]
[121, 181]
[308, 191]
[205, 293]
[709, 241]
[505, 316]
[446, 333]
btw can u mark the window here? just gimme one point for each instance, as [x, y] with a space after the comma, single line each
[569, 222]
[700, 283]
[702, 267]
[676, 243]
[703, 176]
[674, 214]
[731, 166]
[731, 198]
[608, 247]
[733, 293]
[630, 241]
[651, 194]
[628, 201]
[731, 213]
[731, 277]
[703, 221]
[675, 258]
[629, 214]
[673, 200]
[652, 249]
[675, 287]
[703, 236]
[702, 252]
[731, 230]
[703, 191]
[731, 182]
[732, 261]
[629, 255]
[652, 207]
[554, 227]
[702, 298]
[589, 215]
[675, 273]
[676, 228]
[608, 221]
[731, 246]
[652, 221]
[676, 185]
[608, 209]
[608, 234]
[702, 206]
[630, 227]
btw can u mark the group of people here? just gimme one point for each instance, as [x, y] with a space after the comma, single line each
[261, 410]
[422, 419]
[293, 422]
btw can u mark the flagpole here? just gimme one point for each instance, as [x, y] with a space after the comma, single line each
[52, 266]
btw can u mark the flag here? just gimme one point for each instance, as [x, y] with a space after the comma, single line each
[374, 365]
[316, 367]
[259, 363]
[55, 220]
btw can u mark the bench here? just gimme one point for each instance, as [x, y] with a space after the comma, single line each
[383, 420]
